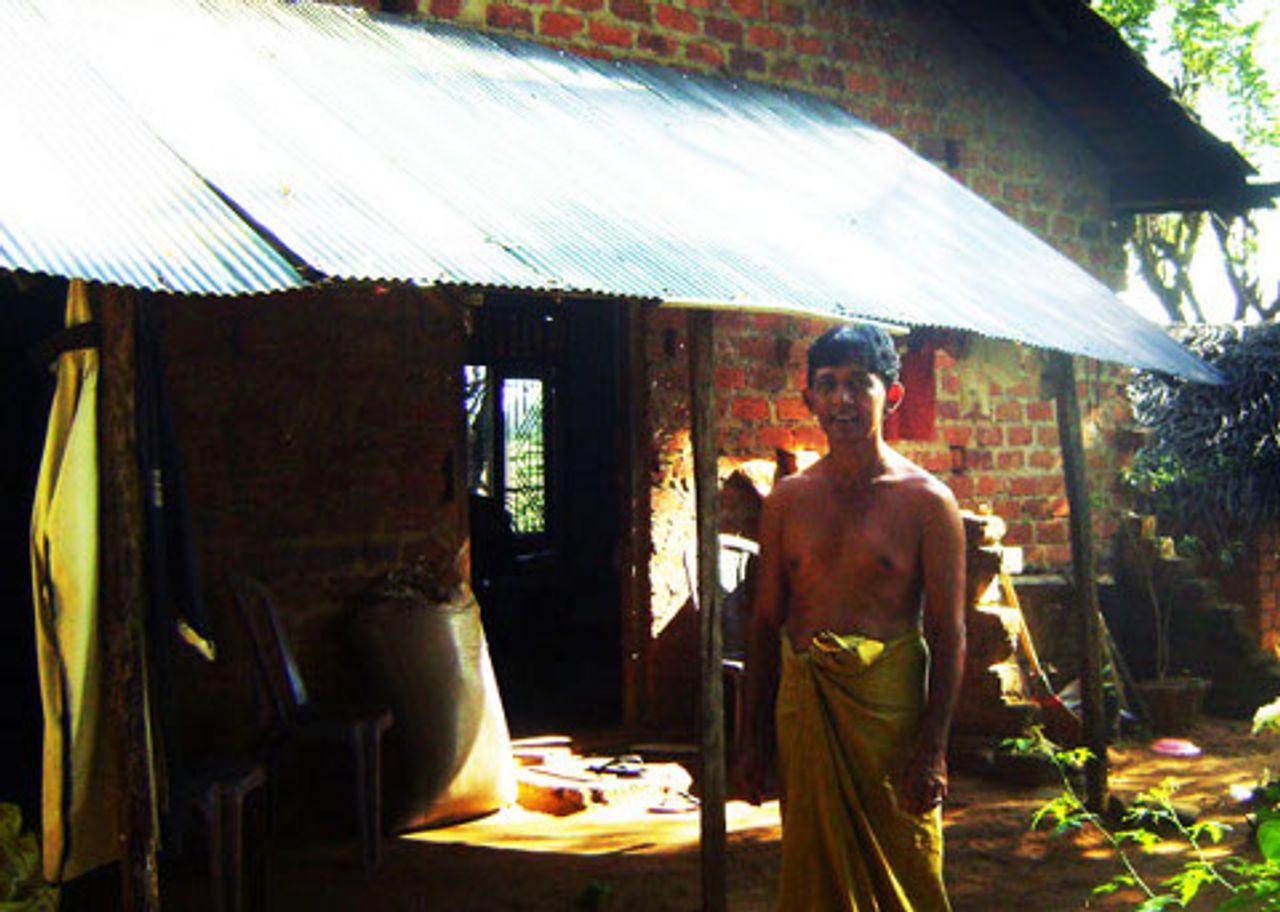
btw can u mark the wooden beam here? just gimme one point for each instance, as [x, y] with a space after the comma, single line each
[1062, 376]
[123, 593]
[637, 540]
[706, 492]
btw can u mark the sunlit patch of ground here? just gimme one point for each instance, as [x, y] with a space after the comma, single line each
[601, 830]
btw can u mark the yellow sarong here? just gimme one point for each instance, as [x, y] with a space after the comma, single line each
[847, 714]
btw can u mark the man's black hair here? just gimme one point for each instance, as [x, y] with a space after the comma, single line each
[859, 343]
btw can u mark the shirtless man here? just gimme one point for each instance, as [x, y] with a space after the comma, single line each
[860, 554]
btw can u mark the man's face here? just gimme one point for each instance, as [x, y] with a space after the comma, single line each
[850, 402]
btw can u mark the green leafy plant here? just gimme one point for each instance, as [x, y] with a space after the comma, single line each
[1212, 468]
[1152, 818]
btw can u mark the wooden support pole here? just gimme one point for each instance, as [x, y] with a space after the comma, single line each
[122, 597]
[1089, 617]
[637, 614]
[706, 485]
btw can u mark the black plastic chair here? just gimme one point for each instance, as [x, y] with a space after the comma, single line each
[294, 717]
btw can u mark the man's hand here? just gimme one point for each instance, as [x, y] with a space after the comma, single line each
[924, 782]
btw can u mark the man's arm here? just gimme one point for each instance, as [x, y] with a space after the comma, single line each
[759, 690]
[942, 561]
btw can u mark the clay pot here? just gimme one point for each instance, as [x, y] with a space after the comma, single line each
[1173, 704]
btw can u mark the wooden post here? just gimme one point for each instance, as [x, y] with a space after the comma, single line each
[122, 596]
[637, 615]
[1089, 618]
[706, 484]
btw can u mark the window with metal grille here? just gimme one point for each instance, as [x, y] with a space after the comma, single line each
[506, 445]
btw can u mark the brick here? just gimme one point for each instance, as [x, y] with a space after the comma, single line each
[957, 435]
[1020, 436]
[791, 408]
[919, 122]
[704, 53]
[730, 378]
[773, 437]
[1009, 411]
[828, 77]
[1047, 437]
[632, 10]
[445, 9]
[990, 436]
[677, 20]
[1041, 411]
[766, 37]
[1054, 532]
[741, 61]
[721, 29]
[847, 51]
[1057, 556]
[864, 82]
[1011, 460]
[612, 35]
[749, 9]
[934, 461]
[885, 117]
[1023, 486]
[948, 411]
[560, 25]
[584, 6]
[786, 13]
[808, 44]
[990, 485]
[751, 408]
[962, 486]
[1042, 459]
[1017, 534]
[1054, 485]
[898, 92]
[655, 43]
[788, 70]
[504, 16]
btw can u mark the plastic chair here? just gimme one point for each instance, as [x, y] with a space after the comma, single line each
[220, 794]
[295, 716]
[736, 556]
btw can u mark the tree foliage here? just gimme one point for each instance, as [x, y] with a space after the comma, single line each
[1213, 467]
[1205, 50]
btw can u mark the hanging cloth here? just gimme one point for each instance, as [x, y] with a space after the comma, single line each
[80, 779]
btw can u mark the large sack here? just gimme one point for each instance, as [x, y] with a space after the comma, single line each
[448, 756]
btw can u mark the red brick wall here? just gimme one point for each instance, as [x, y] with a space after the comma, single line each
[1263, 600]
[322, 438]
[995, 443]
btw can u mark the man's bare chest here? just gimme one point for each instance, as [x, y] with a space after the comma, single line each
[864, 541]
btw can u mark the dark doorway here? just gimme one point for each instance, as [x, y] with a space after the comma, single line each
[544, 475]
[31, 310]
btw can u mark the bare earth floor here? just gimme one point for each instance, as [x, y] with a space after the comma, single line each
[607, 860]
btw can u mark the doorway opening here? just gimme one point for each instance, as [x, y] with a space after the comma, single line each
[544, 474]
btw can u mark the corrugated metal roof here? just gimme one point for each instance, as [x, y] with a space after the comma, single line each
[87, 190]
[385, 149]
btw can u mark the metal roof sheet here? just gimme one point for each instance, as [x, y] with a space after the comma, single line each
[379, 148]
[87, 190]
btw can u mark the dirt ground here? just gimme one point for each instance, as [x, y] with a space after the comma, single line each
[648, 862]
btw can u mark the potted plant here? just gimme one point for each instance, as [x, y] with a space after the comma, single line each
[1172, 702]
